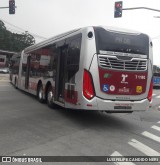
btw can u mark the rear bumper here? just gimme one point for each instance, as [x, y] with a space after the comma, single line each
[108, 105]
[116, 106]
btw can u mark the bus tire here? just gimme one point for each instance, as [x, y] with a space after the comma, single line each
[40, 93]
[50, 97]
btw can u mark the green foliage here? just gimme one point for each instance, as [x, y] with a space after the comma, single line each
[12, 41]
[156, 69]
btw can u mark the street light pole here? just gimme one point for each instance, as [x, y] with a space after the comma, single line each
[4, 7]
[156, 16]
[147, 8]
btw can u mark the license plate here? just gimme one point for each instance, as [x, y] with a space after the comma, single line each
[123, 107]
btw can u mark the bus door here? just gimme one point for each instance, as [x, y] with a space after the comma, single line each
[27, 72]
[60, 79]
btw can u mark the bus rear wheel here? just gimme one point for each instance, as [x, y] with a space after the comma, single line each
[40, 93]
[50, 97]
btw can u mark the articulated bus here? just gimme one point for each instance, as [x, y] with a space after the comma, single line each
[92, 68]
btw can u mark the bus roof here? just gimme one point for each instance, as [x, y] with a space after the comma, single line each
[49, 41]
[53, 39]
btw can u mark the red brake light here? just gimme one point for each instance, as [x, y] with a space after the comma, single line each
[88, 88]
[150, 91]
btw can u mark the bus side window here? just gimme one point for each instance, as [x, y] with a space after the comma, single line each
[24, 69]
[73, 56]
[24, 64]
[53, 61]
[14, 64]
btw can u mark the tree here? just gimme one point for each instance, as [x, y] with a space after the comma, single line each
[156, 69]
[14, 41]
[2, 25]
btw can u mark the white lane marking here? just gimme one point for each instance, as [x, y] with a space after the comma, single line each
[151, 136]
[153, 94]
[158, 121]
[158, 96]
[143, 148]
[156, 127]
[116, 153]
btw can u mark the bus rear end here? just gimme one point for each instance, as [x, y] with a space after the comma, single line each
[119, 77]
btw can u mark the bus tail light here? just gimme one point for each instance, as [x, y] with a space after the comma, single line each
[150, 91]
[88, 87]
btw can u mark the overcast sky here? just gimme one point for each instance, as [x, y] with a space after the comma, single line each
[47, 18]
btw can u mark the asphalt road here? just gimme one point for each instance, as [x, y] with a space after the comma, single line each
[29, 128]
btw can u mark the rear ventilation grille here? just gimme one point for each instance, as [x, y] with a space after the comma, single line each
[112, 62]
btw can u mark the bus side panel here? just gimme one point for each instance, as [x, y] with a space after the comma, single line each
[88, 49]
